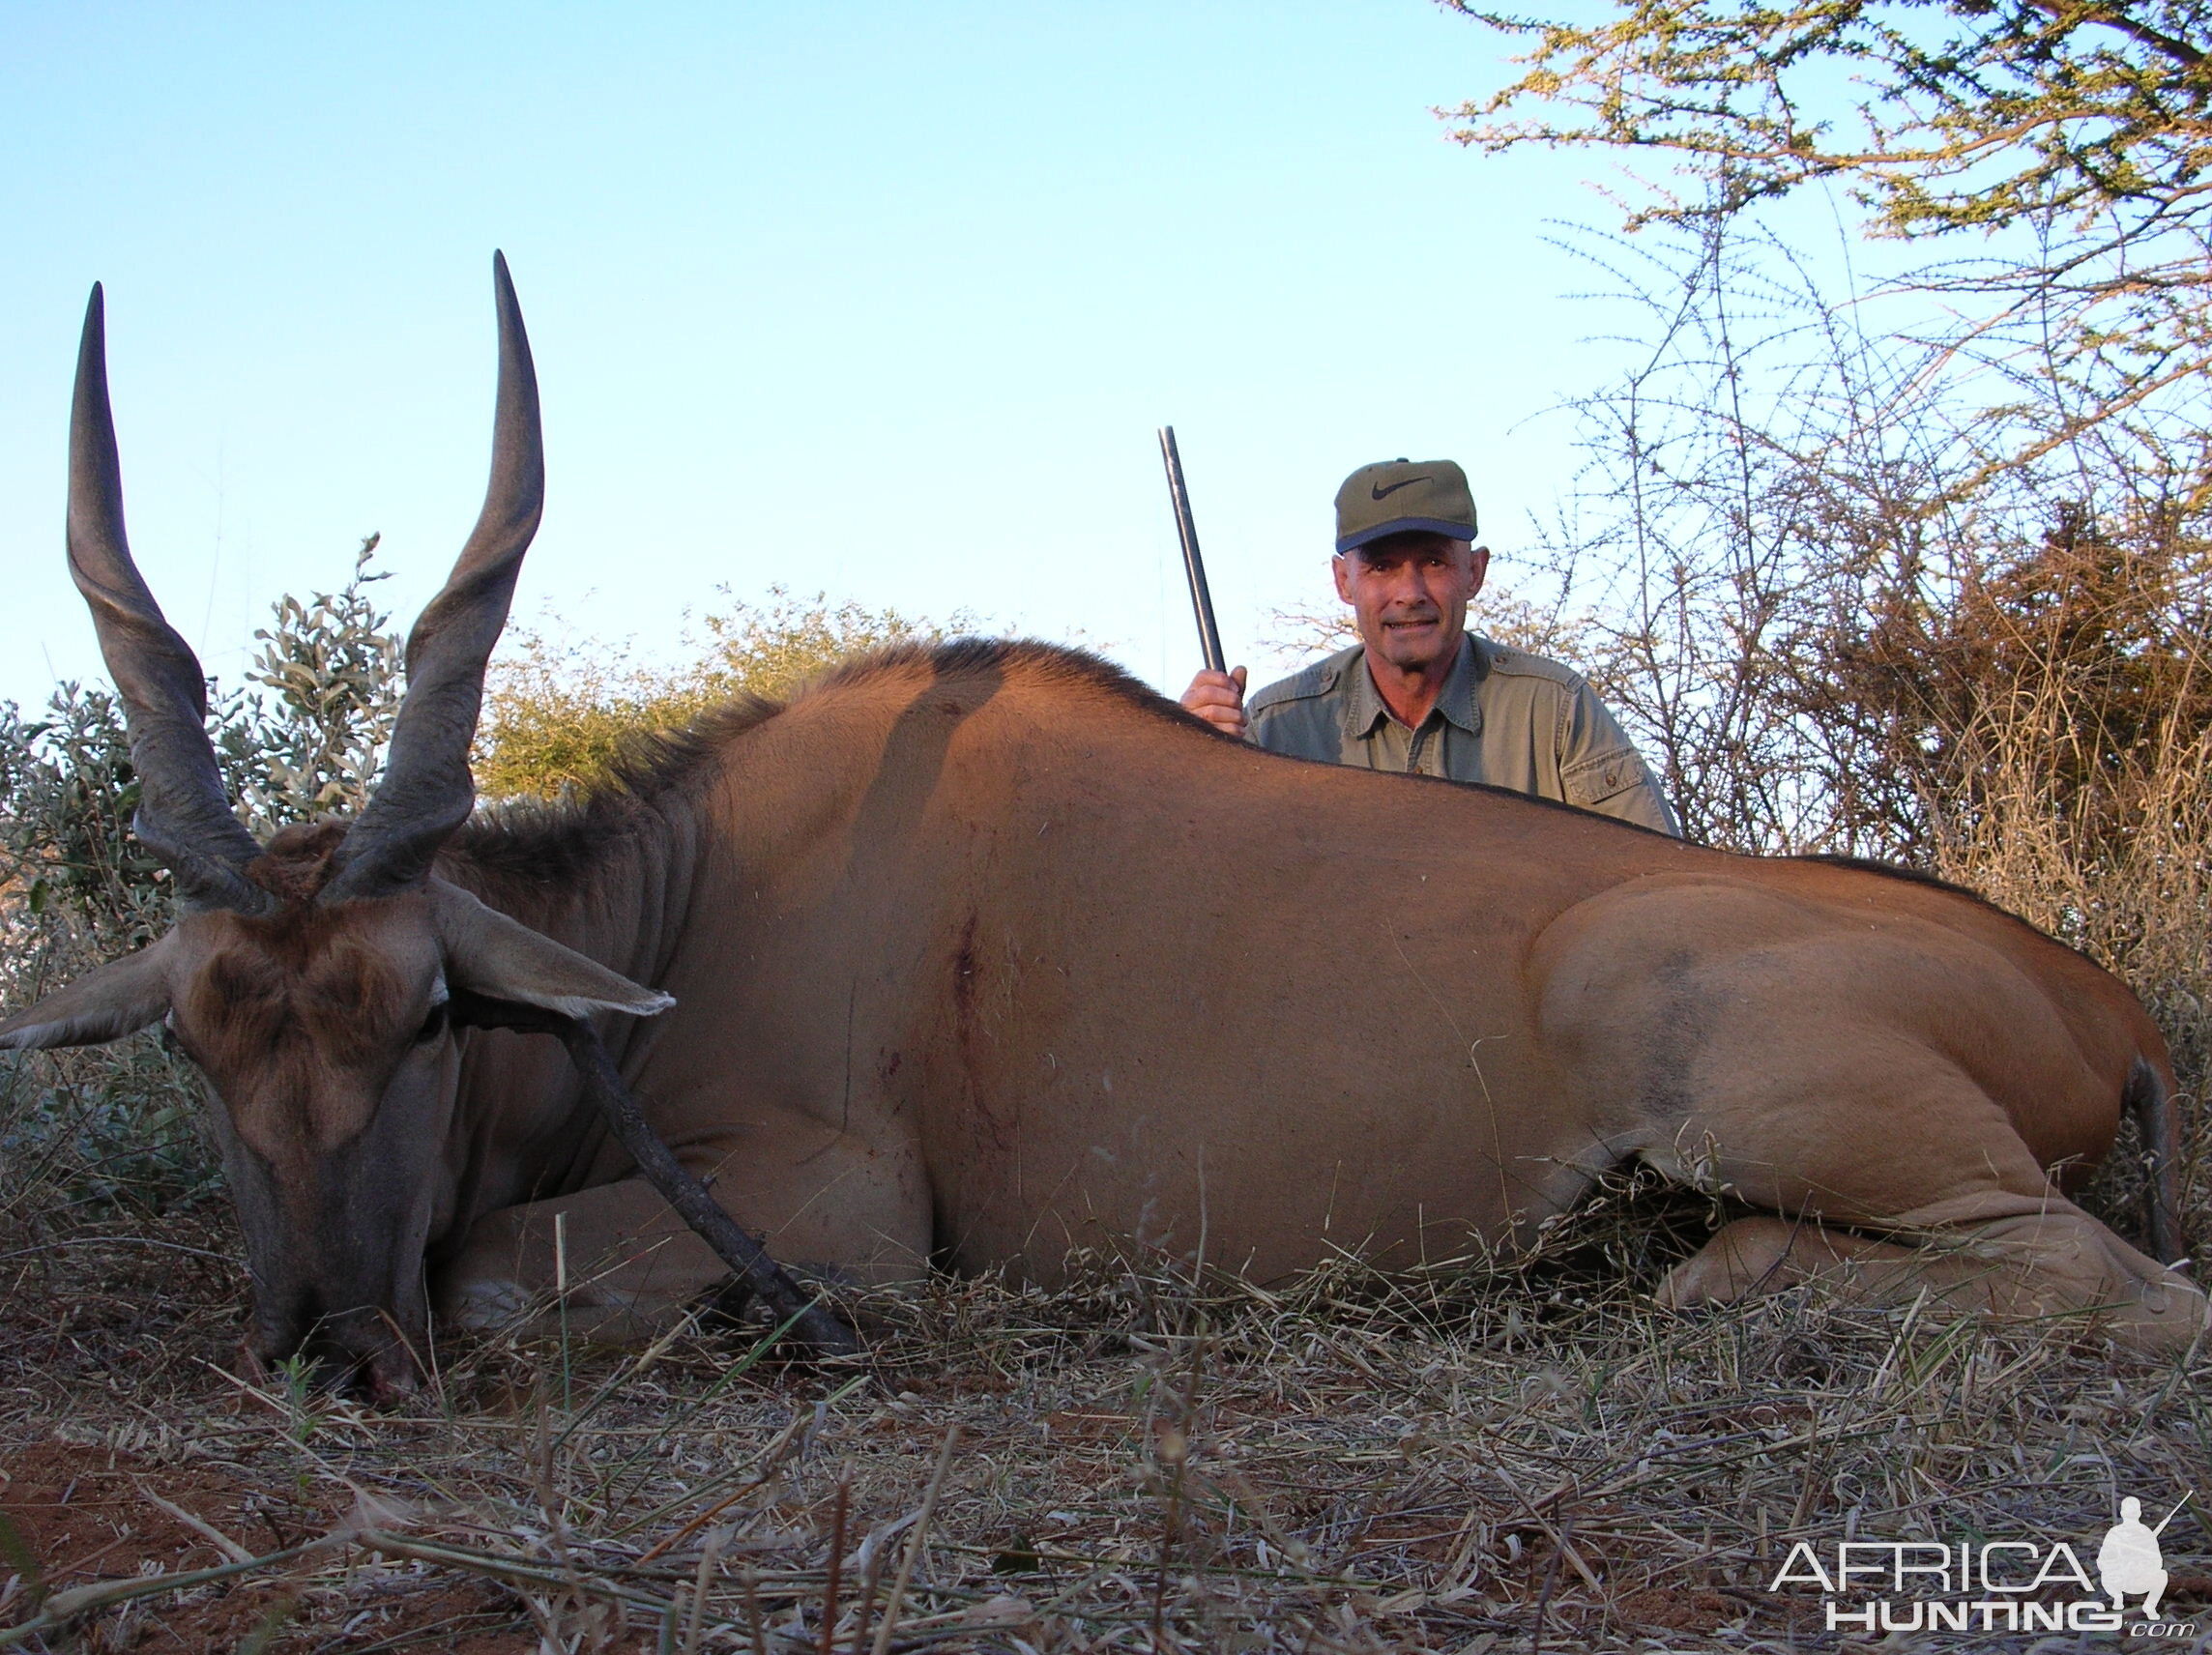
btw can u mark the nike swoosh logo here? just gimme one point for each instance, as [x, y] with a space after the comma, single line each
[1379, 493]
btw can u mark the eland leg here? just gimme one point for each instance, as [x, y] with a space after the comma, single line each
[1902, 1063]
[823, 1202]
[1763, 1254]
[1963, 1213]
[2024, 1263]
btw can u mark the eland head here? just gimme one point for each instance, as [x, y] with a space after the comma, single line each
[313, 978]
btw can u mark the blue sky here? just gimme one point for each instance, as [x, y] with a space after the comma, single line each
[884, 301]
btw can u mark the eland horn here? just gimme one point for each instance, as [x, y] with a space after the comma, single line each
[427, 791]
[184, 817]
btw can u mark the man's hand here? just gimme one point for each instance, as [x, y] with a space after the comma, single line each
[1218, 698]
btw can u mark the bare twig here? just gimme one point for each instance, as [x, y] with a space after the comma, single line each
[915, 1542]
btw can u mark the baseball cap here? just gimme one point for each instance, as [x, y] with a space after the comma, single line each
[1392, 496]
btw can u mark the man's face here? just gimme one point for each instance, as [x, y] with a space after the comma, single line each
[1410, 595]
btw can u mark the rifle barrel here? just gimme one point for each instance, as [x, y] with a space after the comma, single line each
[1201, 600]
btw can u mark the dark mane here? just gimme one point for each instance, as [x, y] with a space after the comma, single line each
[535, 843]
[528, 843]
[1054, 663]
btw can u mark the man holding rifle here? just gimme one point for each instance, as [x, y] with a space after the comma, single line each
[1421, 694]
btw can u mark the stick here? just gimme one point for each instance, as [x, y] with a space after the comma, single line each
[878, 1543]
[709, 1555]
[809, 1321]
[1201, 600]
[836, 1565]
[914, 1546]
[770, 1460]
[813, 1325]
[67, 1605]
[752, 1612]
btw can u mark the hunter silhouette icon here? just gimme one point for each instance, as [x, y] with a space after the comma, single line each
[2129, 1559]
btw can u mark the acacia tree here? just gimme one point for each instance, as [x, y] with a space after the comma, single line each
[1757, 477]
[1769, 572]
[2070, 138]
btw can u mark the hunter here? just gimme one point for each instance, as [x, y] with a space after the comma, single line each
[1419, 693]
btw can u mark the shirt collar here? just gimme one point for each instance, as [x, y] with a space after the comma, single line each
[1365, 709]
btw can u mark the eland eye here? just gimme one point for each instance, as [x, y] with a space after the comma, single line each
[433, 1024]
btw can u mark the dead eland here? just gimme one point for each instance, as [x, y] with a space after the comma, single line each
[972, 954]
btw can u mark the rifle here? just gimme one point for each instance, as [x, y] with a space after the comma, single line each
[1201, 600]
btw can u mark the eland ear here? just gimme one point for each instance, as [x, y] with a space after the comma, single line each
[499, 958]
[119, 998]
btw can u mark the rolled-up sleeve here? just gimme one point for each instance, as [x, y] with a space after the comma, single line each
[1600, 768]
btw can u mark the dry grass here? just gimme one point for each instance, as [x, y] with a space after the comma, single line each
[1480, 1457]
[1476, 1457]
[1484, 1456]
[2101, 837]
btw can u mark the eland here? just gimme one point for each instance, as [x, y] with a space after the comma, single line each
[973, 955]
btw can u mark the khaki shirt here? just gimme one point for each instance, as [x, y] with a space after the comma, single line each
[1504, 717]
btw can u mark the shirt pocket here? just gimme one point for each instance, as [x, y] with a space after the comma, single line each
[1590, 782]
